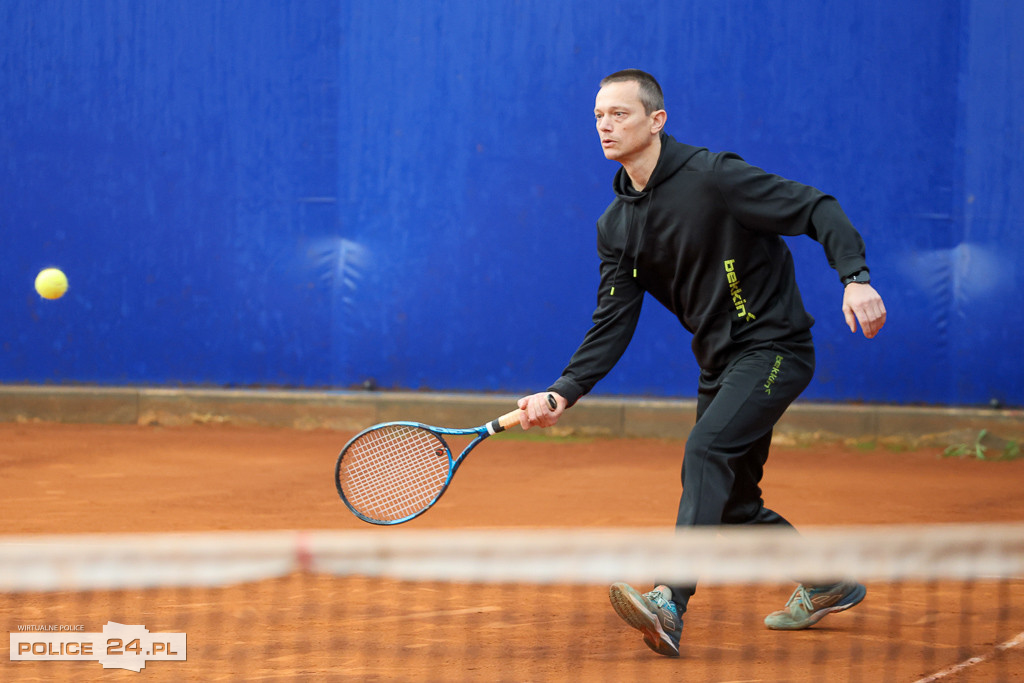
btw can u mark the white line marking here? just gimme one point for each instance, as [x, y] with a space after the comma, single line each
[967, 663]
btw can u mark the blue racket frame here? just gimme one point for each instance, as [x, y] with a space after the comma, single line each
[482, 432]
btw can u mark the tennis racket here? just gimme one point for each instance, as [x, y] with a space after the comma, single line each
[394, 472]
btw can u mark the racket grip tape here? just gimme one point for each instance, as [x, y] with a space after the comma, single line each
[512, 419]
[504, 422]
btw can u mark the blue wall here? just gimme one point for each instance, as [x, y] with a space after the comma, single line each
[312, 194]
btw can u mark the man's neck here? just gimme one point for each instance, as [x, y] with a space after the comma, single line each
[640, 169]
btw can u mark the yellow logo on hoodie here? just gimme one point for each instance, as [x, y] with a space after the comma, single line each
[734, 290]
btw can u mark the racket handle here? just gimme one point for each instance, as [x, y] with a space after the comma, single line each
[512, 419]
[504, 422]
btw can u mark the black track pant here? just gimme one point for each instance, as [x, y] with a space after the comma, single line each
[737, 408]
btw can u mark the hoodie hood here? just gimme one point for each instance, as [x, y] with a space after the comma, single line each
[673, 157]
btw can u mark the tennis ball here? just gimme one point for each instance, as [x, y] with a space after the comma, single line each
[51, 283]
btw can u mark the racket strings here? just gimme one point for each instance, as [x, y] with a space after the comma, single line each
[394, 471]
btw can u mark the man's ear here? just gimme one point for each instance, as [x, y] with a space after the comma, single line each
[658, 121]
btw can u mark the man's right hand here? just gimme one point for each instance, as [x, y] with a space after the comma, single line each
[537, 410]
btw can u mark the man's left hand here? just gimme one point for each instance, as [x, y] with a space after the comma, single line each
[862, 304]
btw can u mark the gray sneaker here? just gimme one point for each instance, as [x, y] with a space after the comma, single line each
[808, 605]
[652, 613]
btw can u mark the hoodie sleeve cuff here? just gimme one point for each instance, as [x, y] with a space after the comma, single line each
[567, 389]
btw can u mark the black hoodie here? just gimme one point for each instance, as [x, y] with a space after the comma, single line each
[703, 238]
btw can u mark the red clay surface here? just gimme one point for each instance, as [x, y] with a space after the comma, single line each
[101, 478]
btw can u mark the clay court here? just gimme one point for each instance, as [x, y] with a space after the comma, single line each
[265, 226]
[75, 479]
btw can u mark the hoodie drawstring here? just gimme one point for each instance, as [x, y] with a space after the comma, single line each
[639, 239]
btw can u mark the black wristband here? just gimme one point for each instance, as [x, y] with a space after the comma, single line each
[861, 277]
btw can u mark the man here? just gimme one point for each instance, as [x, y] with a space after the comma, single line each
[701, 232]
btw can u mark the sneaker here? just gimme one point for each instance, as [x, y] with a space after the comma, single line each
[653, 613]
[807, 606]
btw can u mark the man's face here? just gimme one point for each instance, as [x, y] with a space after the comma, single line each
[625, 129]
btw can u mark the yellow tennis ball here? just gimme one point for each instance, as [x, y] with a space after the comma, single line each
[51, 283]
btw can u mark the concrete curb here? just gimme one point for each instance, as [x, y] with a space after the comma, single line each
[594, 416]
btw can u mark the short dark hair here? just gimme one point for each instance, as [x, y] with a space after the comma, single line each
[650, 92]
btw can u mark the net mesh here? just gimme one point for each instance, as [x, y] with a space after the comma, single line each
[943, 603]
[392, 472]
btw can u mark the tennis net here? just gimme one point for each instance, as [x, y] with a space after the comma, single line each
[943, 603]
